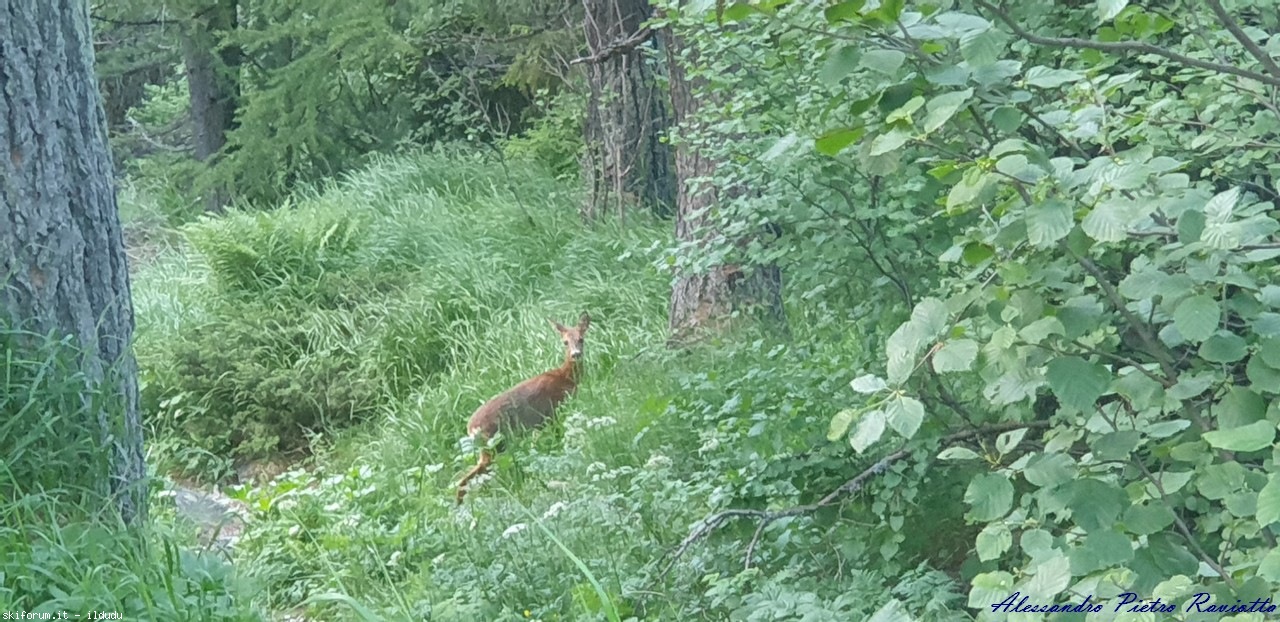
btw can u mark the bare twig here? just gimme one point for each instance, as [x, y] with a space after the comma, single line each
[616, 48]
[1125, 46]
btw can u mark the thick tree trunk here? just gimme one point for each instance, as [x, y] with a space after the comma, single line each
[708, 301]
[625, 162]
[62, 260]
[213, 84]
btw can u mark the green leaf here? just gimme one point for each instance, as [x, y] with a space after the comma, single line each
[1008, 441]
[840, 424]
[1197, 317]
[889, 141]
[1269, 569]
[1077, 382]
[1048, 78]
[884, 61]
[990, 587]
[941, 108]
[1048, 222]
[1269, 501]
[1219, 208]
[990, 495]
[868, 383]
[931, 315]
[1095, 505]
[870, 429]
[1190, 226]
[1251, 437]
[905, 415]
[956, 355]
[843, 11]
[1047, 470]
[982, 47]
[1223, 347]
[835, 141]
[958, 453]
[840, 62]
[1108, 9]
[993, 541]
[1147, 518]
[892, 611]
[1116, 445]
[1269, 350]
[1263, 376]
[1051, 577]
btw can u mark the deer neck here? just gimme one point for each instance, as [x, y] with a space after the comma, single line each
[570, 369]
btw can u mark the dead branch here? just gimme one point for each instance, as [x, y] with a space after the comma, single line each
[707, 525]
[624, 46]
[1250, 45]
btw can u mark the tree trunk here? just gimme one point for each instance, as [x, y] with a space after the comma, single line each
[625, 162]
[62, 259]
[213, 84]
[708, 301]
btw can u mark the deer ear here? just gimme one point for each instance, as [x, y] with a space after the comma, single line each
[558, 326]
[584, 321]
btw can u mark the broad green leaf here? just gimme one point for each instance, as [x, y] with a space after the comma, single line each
[1047, 470]
[869, 430]
[1095, 504]
[904, 112]
[990, 495]
[1116, 445]
[1267, 324]
[1269, 502]
[1223, 347]
[1269, 569]
[941, 108]
[1219, 481]
[900, 351]
[904, 415]
[1077, 382]
[993, 541]
[981, 48]
[1269, 350]
[1263, 376]
[1049, 78]
[840, 424]
[889, 141]
[1197, 317]
[1051, 577]
[835, 141]
[892, 611]
[1108, 221]
[972, 183]
[931, 315]
[1108, 9]
[958, 453]
[1190, 226]
[1148, 518]
[1251, 437]
[868, 383]
[843, 11]
[1037, 544]
[1007, 441]
[884, 61]
[1219, 208]
[783, 145]
[1101, 549]
[956, 355]
[990, 587]
[1048, 222]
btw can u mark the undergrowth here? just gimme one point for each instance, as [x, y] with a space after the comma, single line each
[367, 319]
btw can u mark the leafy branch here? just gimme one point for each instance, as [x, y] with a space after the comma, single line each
[1124, 46]
[708, 525]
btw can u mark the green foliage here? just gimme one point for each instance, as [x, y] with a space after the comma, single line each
[1074, 249]
[64, 549]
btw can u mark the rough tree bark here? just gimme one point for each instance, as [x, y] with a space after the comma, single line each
[213, 84]
[626, 163]
[708, 301]
[62, 259]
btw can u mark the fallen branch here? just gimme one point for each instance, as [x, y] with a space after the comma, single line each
[707, 525]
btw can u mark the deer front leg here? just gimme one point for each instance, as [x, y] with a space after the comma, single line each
[485, 460]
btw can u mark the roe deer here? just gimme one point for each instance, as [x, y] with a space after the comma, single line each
[529, 404]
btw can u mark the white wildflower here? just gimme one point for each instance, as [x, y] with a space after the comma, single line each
[554, 509]
[514, 529]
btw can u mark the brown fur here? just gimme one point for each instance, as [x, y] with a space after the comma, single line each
[529, 404]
